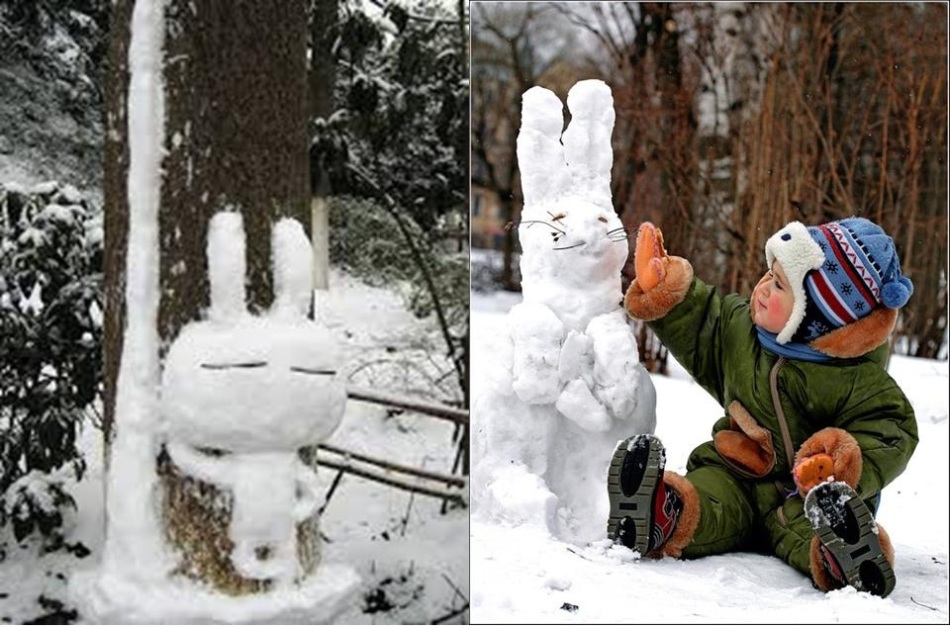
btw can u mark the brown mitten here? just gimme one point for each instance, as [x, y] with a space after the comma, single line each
[650, 256]
[829, 454]
[813, 471]
[662, 281]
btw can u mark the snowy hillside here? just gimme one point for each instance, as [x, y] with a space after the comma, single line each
[520, 575]
[411, 558]
[51, 57]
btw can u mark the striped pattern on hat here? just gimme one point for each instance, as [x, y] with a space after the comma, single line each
[859, 271]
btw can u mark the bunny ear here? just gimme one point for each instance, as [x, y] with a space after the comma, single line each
[540, 156]
[587, 144]
[226, 265]
[293, 269]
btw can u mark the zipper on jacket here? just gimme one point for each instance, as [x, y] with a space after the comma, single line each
[780, 414]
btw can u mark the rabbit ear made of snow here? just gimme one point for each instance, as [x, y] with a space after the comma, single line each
[587, 146]
[293, 269]
[540, 154]
[226, 266]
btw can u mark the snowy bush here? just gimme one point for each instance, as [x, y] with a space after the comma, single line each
[50, 347]
[365, 240]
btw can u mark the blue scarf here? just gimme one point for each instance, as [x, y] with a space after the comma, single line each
[795, 351]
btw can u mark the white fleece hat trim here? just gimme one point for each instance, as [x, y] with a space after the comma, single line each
[798, 253]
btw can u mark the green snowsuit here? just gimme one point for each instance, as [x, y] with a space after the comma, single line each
[713, 337]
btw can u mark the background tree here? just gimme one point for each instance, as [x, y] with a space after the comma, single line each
[398, 135]
[514, 47]
[236, 135]
[734, 119]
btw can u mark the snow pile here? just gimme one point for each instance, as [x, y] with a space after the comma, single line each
[566, 383]
[522, 576]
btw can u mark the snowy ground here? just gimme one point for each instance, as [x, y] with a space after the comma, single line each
[523, 576]
[412, 559]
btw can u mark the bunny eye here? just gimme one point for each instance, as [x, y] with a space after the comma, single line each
[250, 365]
[315, 372]
[602, 219]
[558, 216]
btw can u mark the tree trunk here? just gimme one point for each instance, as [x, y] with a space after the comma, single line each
[235, 85]
[325, 14]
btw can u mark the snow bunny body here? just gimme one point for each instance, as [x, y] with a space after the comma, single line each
[253, 390]
[570, 381]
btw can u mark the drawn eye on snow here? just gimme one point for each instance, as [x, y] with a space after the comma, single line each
[315, 372]
[250, 365]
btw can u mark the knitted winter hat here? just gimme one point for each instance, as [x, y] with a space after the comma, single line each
[839, 272]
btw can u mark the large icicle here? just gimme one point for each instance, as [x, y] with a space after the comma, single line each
[133, 541]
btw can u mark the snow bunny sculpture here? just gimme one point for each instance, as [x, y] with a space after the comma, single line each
[241, 394]
[571, 385]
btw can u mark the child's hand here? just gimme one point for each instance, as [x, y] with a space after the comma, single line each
[830, 453]
[813, 471]
[650, 256]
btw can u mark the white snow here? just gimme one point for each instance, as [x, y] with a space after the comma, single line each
[564, 383]
[523, 575]
[134, 552]
[34, 303]
[406, 553]
[227, 266]
[259, 388]
[237, 383]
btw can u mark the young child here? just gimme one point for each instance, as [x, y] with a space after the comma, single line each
[800, 370]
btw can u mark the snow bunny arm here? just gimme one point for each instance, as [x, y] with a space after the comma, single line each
[536, 335]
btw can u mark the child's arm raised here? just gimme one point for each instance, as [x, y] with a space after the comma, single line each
[687, 315]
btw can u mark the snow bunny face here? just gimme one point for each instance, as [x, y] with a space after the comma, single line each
[249, 384]
[569, 232]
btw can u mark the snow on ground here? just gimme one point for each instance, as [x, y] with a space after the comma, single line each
[523, 576]
[412, 559]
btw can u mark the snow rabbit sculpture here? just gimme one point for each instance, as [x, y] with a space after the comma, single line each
[571, 385]
[241, 394]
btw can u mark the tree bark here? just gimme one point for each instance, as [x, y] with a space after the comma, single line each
[326, 15]
[236, 139]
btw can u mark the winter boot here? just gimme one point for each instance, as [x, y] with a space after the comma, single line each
[849, 548]
[644, 509]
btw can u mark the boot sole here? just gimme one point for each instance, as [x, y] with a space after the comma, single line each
[860, 557]
[637, 506]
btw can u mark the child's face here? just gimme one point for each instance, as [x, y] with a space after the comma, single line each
[772, 300]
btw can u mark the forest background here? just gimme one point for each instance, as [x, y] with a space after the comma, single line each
[732, 120]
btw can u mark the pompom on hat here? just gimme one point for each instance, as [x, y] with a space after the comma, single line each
[839, 272]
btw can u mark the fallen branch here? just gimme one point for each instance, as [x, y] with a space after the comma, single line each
[452, 585]
[451, 481]
[449, 616]
[356, 469]
[333, 486]
[922, 605]
[456, 415]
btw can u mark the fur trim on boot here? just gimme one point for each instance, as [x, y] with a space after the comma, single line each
[688, 518]
[843, 450]
[657, 303]
[819, 573]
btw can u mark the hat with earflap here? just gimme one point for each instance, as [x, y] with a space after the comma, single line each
[839, 272]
